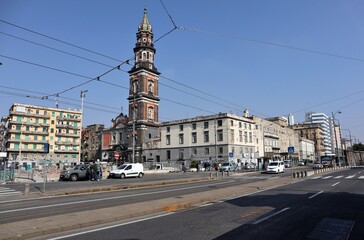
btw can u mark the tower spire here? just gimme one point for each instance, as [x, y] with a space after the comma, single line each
[145, 25]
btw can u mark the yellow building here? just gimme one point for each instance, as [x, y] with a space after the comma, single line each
[31, 127]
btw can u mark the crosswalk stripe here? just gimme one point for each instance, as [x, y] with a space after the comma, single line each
[8, 191]
[337, 177]
[361, 177]
[349, 177]
[327, 177]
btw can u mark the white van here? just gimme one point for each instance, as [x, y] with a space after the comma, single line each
[128, 170]
[275, 167]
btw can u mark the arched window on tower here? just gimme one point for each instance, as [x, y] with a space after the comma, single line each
[144, 56]
[135, 86]
[150, 87]
[150, 113]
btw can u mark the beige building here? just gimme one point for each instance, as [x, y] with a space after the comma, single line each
[30, 127]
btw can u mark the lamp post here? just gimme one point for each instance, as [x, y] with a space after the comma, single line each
[333, 122]
[351, 143]
[82, 95]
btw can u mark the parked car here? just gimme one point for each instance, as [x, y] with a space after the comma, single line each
[228, 166]
[275, 167]
[79, 172]
[287, 163]
[128, 170]
[301, 163]
[317, 165]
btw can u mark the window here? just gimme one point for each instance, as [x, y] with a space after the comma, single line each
[219, 123]
[206, 136]
[181, 127]
[17, 136]
[34, 146]
[193, 126]
[194, 137]
[18, 128]
[168, 129]
[44, 121]
[168, 139]
[194, 151]
[232, 123]
[221, 150]
[240, 125]
[52, 130]
[245, 137]
[250, 137]
[240, 136]
[220, 137]
[232, 135]
[150, 113]
[181, 154]
[26, 146]
[245, 125]
[207, 151]
[168, 154]
[206, 125]
[150, 86]
[180, 137]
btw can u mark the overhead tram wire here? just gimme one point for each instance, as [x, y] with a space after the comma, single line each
[61, 41]
[71, 99]
[55, 49]
[271, 44]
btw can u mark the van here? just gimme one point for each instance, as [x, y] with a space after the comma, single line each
[275, 167]
[128, 170]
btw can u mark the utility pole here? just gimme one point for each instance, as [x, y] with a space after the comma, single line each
[82, 95]
[333, 122]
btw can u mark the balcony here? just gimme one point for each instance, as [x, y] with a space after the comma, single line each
[65, 143]
[46, 116]
[69, 119]
[65, 151]
[25, 150]
[31, 124]
[67, 135]
[67, 126]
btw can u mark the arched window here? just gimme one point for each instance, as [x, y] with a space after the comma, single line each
[150, 86]
[150, 113]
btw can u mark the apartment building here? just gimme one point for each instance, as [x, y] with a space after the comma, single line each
[30, 127]
[324, 121]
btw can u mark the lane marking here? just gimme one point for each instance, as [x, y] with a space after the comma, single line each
[272, 215]
[109, 227]
[333, 185]
[337, 177]
[361, 177]
[110, 198]
[317, 177]
[349, 177]
[327, 177]
[316, 194]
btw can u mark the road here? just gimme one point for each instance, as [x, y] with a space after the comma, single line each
[33, 208]
[327, 206]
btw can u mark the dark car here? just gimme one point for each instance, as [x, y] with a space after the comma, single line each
[79, 172]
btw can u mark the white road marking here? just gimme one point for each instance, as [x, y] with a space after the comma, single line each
[316, 194]
[349, 177]
[337, 177]
[361, 177]
[333, 185]
[327, 177]
[113, 226]
[317, 177]
[109, 198]
[269, 216]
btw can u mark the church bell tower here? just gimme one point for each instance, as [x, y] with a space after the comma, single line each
[143, 93]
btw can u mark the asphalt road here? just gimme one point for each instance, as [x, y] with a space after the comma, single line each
[328, 206]
[33, 208]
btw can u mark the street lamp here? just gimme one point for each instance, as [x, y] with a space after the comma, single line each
[82, 95]
[351, 143]
[333, 122]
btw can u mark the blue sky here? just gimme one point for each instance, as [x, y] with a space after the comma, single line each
[272, 57]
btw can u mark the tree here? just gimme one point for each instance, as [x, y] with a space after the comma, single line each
[358, 147]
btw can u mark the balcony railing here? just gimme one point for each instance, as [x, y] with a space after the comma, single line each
[30, 114]
[69, 119]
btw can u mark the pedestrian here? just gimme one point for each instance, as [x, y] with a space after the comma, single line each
[183, 167]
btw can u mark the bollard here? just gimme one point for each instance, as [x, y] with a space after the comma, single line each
[293, 175]
[26, 189]
[305, 172]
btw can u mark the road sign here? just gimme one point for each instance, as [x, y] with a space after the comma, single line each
[290, 150]
[231, 154]
[116, 155]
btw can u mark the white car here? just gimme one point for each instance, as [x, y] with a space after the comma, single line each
[128, 170]
[275, 167]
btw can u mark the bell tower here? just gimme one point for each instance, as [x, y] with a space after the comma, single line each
[143, 92]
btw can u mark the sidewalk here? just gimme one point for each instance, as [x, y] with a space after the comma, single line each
[50, 225]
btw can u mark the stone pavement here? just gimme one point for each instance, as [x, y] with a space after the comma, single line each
[56, 224]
